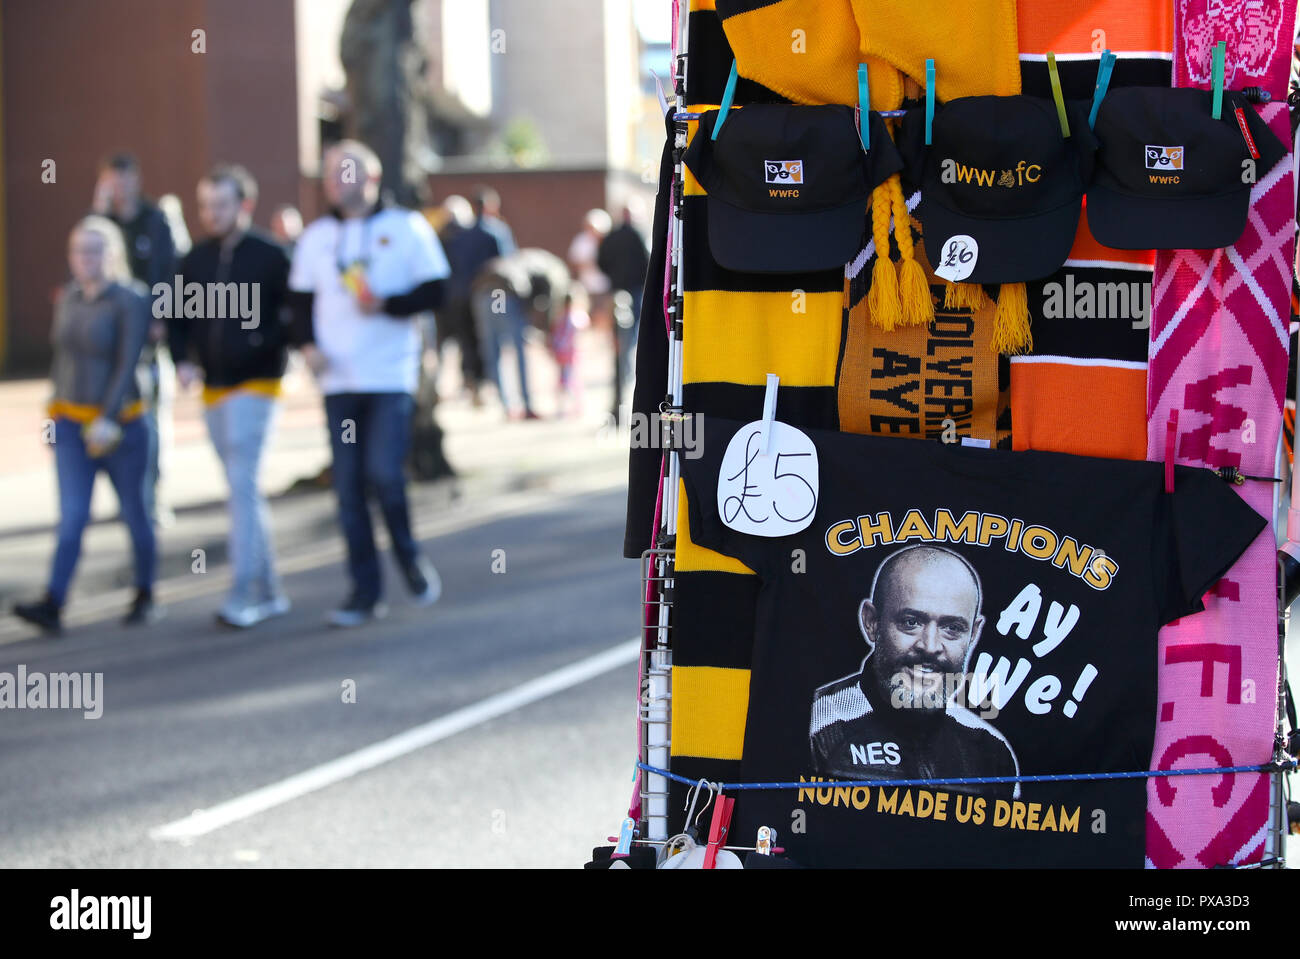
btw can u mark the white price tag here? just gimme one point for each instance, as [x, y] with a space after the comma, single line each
[773, 493]
[957, 258]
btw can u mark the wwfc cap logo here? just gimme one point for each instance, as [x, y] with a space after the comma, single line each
[1164, 158]
[950, 171]
[783, 171]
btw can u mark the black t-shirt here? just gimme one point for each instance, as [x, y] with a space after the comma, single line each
[956, 612]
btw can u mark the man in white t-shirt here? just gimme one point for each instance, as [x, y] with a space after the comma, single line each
[360, 277]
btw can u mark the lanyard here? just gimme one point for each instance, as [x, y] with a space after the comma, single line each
[364, 258]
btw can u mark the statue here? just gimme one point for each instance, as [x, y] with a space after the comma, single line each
[387, 98]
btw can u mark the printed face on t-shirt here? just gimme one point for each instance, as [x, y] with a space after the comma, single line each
[922, 619]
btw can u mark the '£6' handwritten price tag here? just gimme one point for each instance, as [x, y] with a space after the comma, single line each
[771, 493]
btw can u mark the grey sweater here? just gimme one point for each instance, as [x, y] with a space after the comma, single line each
[97, 346]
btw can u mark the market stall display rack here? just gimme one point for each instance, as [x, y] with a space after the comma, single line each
[651, 804]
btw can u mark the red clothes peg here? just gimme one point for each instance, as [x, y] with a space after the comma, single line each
[718, 829]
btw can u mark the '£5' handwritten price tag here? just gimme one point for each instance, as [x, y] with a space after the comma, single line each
[772, 493]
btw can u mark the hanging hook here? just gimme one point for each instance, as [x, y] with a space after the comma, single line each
[707, 804]
[692, 797]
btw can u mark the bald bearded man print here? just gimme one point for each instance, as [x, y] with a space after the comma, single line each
[896, 718]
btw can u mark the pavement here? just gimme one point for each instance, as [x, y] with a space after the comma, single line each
[496, 728]
[491, 454]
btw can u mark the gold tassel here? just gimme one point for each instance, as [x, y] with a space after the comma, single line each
[973, 297]
[882, 298]
[964, 296]
[1011, 335]
[916, 304]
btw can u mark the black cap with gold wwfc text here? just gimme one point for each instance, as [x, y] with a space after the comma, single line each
[788, 185]
[1001, 186]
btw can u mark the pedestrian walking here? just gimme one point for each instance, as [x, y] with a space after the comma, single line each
[151, 257]
[360, 275]
[624, 257]
[469, 249]
[487, 211]
[451, 217]
[584, 253]
[239, 350]
[501, 297]
[100, 327]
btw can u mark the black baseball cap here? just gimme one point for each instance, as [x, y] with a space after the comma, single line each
[788, 184]
[1001, 185]
[1169, 175]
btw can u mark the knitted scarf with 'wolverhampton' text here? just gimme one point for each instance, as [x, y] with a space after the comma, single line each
[938, 381]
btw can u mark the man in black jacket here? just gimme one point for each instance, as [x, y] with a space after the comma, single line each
[468, 250]
[226, 324]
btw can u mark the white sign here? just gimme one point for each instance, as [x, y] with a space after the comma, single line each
[772, 493]
[957, 258]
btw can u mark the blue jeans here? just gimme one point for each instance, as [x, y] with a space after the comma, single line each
[370, 434]
[495, 330]
[126, 467]
[239, 426]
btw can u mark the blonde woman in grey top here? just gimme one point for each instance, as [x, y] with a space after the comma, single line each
[100, 326]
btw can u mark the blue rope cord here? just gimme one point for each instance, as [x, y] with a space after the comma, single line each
[681, 115]
[970, 781]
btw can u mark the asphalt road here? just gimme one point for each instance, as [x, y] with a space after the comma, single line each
[197, 718]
